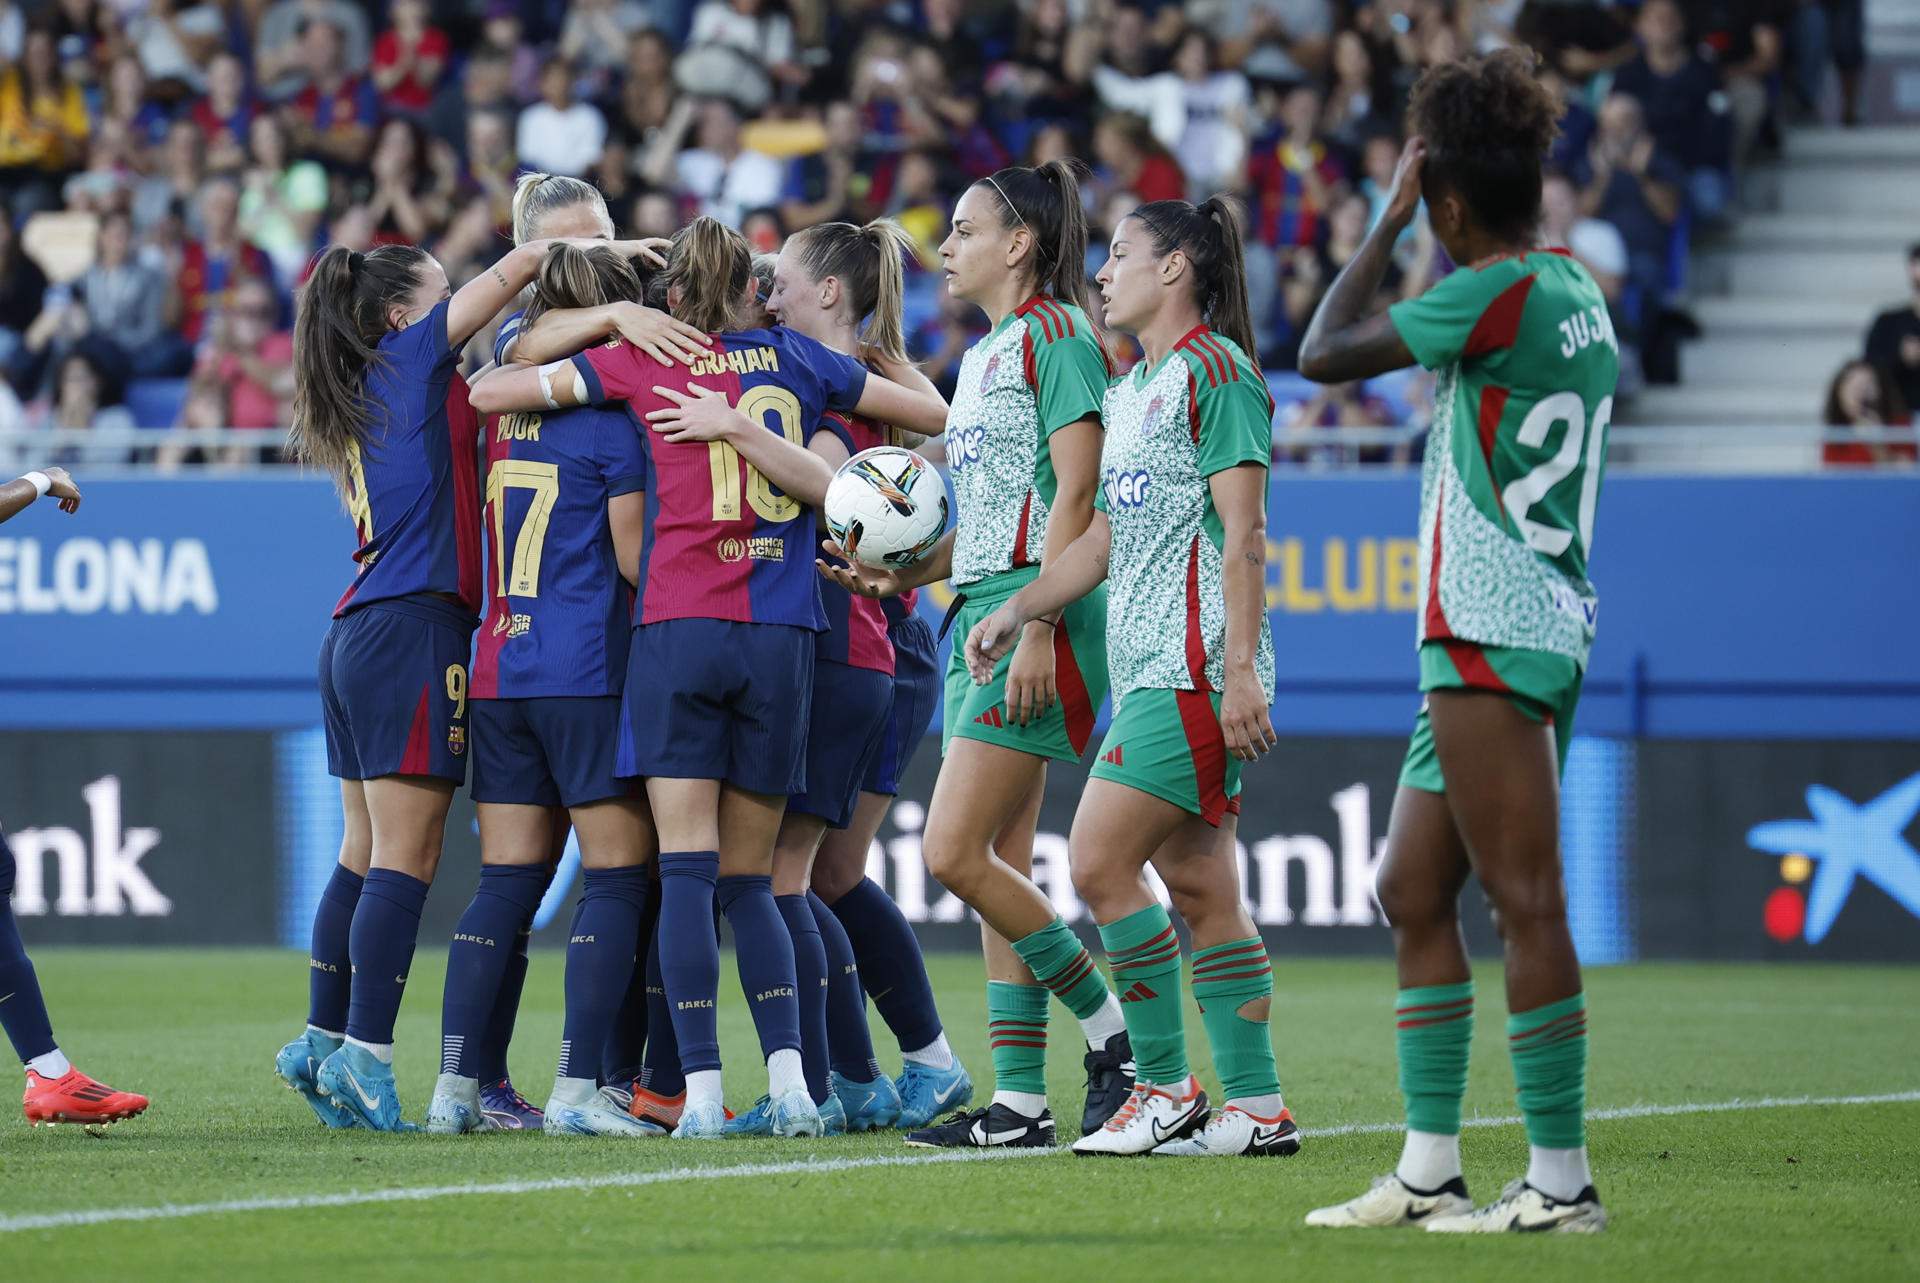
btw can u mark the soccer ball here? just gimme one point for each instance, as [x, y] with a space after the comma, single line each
[887, 507]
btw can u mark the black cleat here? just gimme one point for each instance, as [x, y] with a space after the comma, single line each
[1109, 1082]
[994, 1127]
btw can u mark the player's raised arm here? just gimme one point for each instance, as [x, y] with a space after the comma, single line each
[922, 411]
[487, 295]
[18, 495]
[703, 414]
[553, 386]
[561, 333]
[1343, 343]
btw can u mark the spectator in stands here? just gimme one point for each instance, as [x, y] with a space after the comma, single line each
[130, 107]
[173, 43]
[109, 174]
[1132, 159]
[1298, 29]
[828, 185]
[1747, 39]
[1293, 178]
[1862, 396]
[1352, 111]
[646, 93]
[1829, 33]
[409, 58]
[1594, 241]
[919, 205]
[211, 266]
[175, 186]
[225, 115]
[655, 214]
[1684, 110]
[560, 134]
[282, 200]
[491, 167]
[719, 172]
[596, 33]
[333, 117]
[1893, 341]
[413, 183]
[126, 306]
[252, 357]
[43, 124]
[484, 85]
[1214, 99]
[82, 399]
[1332, 407]
[753, 27]
[1636, 188]
[1128, 79]
[282, 63]
[502, 36]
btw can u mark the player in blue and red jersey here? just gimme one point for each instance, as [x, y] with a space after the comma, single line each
[720, 669]
[564, 516]
[380, 407]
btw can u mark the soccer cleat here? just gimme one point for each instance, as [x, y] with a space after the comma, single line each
[362, 1084]
[455, 1108]
[75, 1098]
[297, 1064]
[833, 1116]
[866, 1106]
[579, 1108]
[506, 1109]
[1150, 1118]
[1523, 1209]
[757, 1121]
[1233, 1132]
[795, 1114]
[655, 1108]
[704, 1121]
[1109, 1082]
[925, 1093]
[1390, 1201]
[993, 1127]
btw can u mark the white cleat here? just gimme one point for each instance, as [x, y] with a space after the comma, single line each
[795, 1114]
[1151, 1116]
[704, 1121]
[1523, 1209]
[1390, 1201]
[455, 1109]
[1233, 1132]
[580, 1108]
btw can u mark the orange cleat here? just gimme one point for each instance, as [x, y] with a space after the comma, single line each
[652, 1107]
[76, 1098]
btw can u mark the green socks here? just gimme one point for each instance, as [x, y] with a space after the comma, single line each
[1017, 1036]
[1145, 956]
[1549, 1049]
[1225, 978]
[1057, 960]
[1435, 1031]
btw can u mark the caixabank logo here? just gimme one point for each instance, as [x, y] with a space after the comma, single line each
[1823, 859]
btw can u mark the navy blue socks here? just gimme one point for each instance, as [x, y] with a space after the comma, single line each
[600, 963]
[23, 1013]
[386, 923]
[486, 966]
[849, 1039]
[329, 971]
[810, 976]
[765, 954]
[690, 954]
[626, 1042]
[891, 968]
[660, 1066]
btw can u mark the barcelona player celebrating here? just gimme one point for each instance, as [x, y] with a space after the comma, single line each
[1527, 363]
[1023, 444]
[564, 516]
[720, 667]
[380, 407]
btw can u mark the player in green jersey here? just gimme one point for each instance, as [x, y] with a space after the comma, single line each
[1180, 540]
[1023, 450]
[1526, 363]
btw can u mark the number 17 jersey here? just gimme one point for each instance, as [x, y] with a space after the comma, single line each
[1527, 363]
[723, 542]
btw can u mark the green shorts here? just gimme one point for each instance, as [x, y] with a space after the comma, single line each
[1169, 743]
[1080, 673]
[1545, 687]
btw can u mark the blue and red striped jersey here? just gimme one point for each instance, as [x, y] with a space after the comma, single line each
[413, 487]
[856, 626]
[559, 613]
[723, 542]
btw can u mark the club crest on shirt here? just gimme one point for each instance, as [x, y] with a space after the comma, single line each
[993, 368]
[1151, 419]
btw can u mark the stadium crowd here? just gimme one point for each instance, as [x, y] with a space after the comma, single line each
[169, 168]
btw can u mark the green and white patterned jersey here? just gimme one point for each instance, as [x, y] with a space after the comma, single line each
[1202, 409]
[1040, 369]
[1527, 362]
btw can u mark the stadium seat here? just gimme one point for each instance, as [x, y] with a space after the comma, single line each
[155, 403]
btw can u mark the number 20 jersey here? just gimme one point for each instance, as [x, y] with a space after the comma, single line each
[1527, 361]
[723, 542]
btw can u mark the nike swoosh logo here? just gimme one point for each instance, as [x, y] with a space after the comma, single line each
[1547, 1222]
[9, 996]
[370, 1102]
[1420, 1214]
[1161, 1138]
[981, 1136]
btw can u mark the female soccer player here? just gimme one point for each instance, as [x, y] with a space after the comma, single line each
[1023, 444]
[564, 512]
[1180, 539]
[56, 1091]
[380, 407]
[720, 667]
[827, 281]
[1527, 363]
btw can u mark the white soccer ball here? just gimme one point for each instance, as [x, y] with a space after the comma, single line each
[887, 507]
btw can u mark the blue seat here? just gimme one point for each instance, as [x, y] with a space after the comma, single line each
[1289, 388]
[155, 403]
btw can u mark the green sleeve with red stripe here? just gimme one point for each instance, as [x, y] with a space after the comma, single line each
[1438, 327]
[1069, 370]
[1235, 414]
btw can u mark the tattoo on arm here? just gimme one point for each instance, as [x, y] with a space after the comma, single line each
[1253, 558]
[500, 276]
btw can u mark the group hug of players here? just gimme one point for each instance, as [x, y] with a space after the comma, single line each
[664, 666]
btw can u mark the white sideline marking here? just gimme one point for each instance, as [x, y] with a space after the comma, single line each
[632, 1180]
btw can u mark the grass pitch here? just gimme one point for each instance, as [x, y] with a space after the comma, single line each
[1726, 1186]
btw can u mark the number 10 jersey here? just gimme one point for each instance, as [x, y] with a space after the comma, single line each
[1527, 363]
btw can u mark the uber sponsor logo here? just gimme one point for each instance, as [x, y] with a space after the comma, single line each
[98, 874]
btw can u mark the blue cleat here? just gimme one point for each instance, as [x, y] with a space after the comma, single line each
[795, 1114]
[757, 1121]
[833, 1116]
[356, 1079]
[926, 1093]
[297, 1064]
[867, 1106]
[506, 1110]
[704, 1121]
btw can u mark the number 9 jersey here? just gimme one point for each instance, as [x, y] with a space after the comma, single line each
[722, 541]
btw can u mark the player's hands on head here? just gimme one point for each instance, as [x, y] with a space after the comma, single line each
[1244, 721]
[698, 414]
[651, 250]
[63, 489]
[860, 580]
[1405, 199]
[991, 638]
[1031, 690]
[664, 338]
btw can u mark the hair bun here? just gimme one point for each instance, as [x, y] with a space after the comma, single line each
[355, 260]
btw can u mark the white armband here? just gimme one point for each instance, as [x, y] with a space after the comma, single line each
[40, 482]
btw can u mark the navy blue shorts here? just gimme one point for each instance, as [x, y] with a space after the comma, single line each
[917, 691]
[553, 751]
[393, 689]
[714, 699]
[850, 708]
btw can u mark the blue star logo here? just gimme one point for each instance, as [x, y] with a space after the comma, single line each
[1849, 839]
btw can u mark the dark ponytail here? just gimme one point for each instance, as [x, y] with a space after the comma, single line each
[1209, 235]
[341, 319]
[1045, 200]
